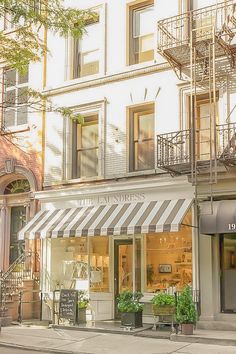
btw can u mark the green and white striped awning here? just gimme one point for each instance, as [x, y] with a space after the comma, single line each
[116, 219]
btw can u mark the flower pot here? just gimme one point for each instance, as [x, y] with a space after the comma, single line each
[82, 315]
[187, 328]
[132, 319]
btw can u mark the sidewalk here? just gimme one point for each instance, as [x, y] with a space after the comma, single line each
[66, 341]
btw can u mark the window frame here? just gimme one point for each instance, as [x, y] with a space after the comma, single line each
[17, 86]
[131, 8]
[146, 108]
[77, 127]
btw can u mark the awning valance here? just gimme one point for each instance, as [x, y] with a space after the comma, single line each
[218, 217]
[116, 219]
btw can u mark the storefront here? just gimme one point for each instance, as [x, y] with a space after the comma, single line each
[136, 241]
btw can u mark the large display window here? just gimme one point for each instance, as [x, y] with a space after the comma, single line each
[169, 259]
[80, 263]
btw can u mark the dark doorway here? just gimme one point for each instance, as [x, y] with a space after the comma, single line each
[18, 219]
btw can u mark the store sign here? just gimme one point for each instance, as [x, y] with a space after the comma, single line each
[165, 268]
[113, 199]
[68, 304]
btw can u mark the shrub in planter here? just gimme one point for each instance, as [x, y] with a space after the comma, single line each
[186, 313]
[130, 308]
[163, 304]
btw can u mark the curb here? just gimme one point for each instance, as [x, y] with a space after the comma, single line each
[39, 350]
[202, 340]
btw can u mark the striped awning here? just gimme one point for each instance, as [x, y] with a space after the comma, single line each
[116, 219]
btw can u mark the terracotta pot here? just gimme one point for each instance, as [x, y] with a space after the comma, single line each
[187, 328]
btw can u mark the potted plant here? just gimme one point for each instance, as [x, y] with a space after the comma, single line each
[186, 313]
[163, 304]
[83, 301]
[130, 308]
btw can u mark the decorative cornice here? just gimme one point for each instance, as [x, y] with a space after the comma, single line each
[75, 85]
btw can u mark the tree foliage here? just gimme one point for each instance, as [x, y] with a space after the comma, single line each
[25, 43]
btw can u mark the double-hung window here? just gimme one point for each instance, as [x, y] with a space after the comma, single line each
[87, 50]
[85, 148]
[142, 133]
[15, 101]
[142, 24]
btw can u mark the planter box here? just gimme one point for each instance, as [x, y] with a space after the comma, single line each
[81, 315]
[132, 319]
[165, 310]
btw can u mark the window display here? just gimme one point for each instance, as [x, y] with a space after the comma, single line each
[169, 259]
[76, 264]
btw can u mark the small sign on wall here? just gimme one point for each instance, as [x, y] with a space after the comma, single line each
[165, 268]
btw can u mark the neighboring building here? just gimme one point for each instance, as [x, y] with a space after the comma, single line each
[20, 178]
[121, 193]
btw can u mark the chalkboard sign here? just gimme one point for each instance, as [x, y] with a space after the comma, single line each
[68, 304]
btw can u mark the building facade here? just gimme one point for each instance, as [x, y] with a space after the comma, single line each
[122, 195]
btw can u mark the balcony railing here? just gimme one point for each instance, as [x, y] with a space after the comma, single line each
[175, 31]
[174, 149]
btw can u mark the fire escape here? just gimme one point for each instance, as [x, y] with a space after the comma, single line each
[200, 46]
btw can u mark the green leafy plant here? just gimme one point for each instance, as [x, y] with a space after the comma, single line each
[163, 299]
[83, 300]
[130, 302]
[186, 311]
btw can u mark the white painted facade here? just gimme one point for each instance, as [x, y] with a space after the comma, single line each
[110, 93]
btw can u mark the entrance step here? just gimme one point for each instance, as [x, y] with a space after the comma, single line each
[217, 325]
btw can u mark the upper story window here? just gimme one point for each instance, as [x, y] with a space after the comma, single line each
[85, 154]
[15, 98]
[142, 24]
[87, 50]
[142, 133]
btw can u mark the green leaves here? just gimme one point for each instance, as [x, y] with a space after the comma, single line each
[163, 299]
[186, 311]
[129, 302]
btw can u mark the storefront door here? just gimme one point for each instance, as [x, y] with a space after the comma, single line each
[228, 272]
[127, 267]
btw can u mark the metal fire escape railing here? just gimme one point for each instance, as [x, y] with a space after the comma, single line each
[200, 46]
[12, 281]
[174, 149]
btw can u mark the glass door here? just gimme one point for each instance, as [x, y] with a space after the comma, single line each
[127, 267]
[228, 273]
[18, 219]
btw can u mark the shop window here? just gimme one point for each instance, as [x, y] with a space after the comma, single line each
[142, 133]
[142, 24]
[15, 98]
[85, 162]
[86, 58]
[99, 264]
[169, 259]
[69, 269]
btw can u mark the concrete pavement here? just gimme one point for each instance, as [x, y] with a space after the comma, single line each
[66, 341]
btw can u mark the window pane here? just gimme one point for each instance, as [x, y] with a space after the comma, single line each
[144, 155]
[146, 126]
[169, 259]
[144, 21]
[88, 163]
[91, 39]
[22, 95]
[9, 118]
[22, 115]
[10, 98]
[10, 78]
[99, 264]
[23, 78]
[89, 63]
[89, 136]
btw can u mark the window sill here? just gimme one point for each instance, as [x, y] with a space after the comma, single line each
[141, 65]
[15, 129]
[83, 180]
[141, 173]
